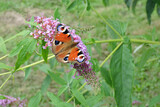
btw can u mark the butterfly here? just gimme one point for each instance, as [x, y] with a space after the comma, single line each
[64, 47]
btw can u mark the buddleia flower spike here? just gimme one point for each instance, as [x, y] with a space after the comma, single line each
[85, 69]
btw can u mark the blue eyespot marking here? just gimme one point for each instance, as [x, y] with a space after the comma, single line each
[57, 42]
[58, 27]
[66, 58]
[81, 58]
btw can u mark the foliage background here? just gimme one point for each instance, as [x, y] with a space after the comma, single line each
[147, 70]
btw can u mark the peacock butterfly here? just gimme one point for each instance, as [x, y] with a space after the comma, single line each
[64, 47]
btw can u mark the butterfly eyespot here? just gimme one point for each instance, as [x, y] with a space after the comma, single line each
[62, 28]
[58, 27]
[81, 57]
[66, 58]
[80, 52]
[57, 42]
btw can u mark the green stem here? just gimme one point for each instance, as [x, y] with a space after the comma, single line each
[108, 41]
[106, 22]
[110, 54]
[78, 90]
[5, 81]
[5, 73]
[3, 57]
[144, 41]
[35, 63]
[105, 41]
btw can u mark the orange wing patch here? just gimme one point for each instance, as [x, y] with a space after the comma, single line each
[63, 37]
[74, 54]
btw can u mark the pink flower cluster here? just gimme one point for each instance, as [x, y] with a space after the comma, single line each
[85, 69]
[46, 30]
[11, 101]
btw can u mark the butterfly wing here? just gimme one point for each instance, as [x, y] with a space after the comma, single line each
[63, 56]
[72, 55]
[76, 55]
[62, 39]
[64, 48]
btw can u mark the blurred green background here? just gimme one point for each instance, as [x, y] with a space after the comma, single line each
[13, 14]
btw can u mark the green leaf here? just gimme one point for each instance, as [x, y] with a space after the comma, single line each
[25, 52]
[45, 52]
[134, 5]
[2, 97]
[128, 3]
[65, 1]
[75, 83]
[4, 66]
[56, 78]
[122, 69]
[150, 5]
[22, 33]
[106, 75]
[52, 63]
[72, 5]
[154, 101]
[45, 84]
[35, 100]
[105, 2]
[32, 23]
[88, 5]
[3, 46]
[95, 63]
[70, 76]
[79, 97]
[145, 56]
[27, 72]
[158, 9]
[91, 101]
[157, 1]
[44, 68]
[17, 49]
[63, 104]
[105, 89]
[57, 14]
[62, 89]
[118, 26]
[54, 98]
